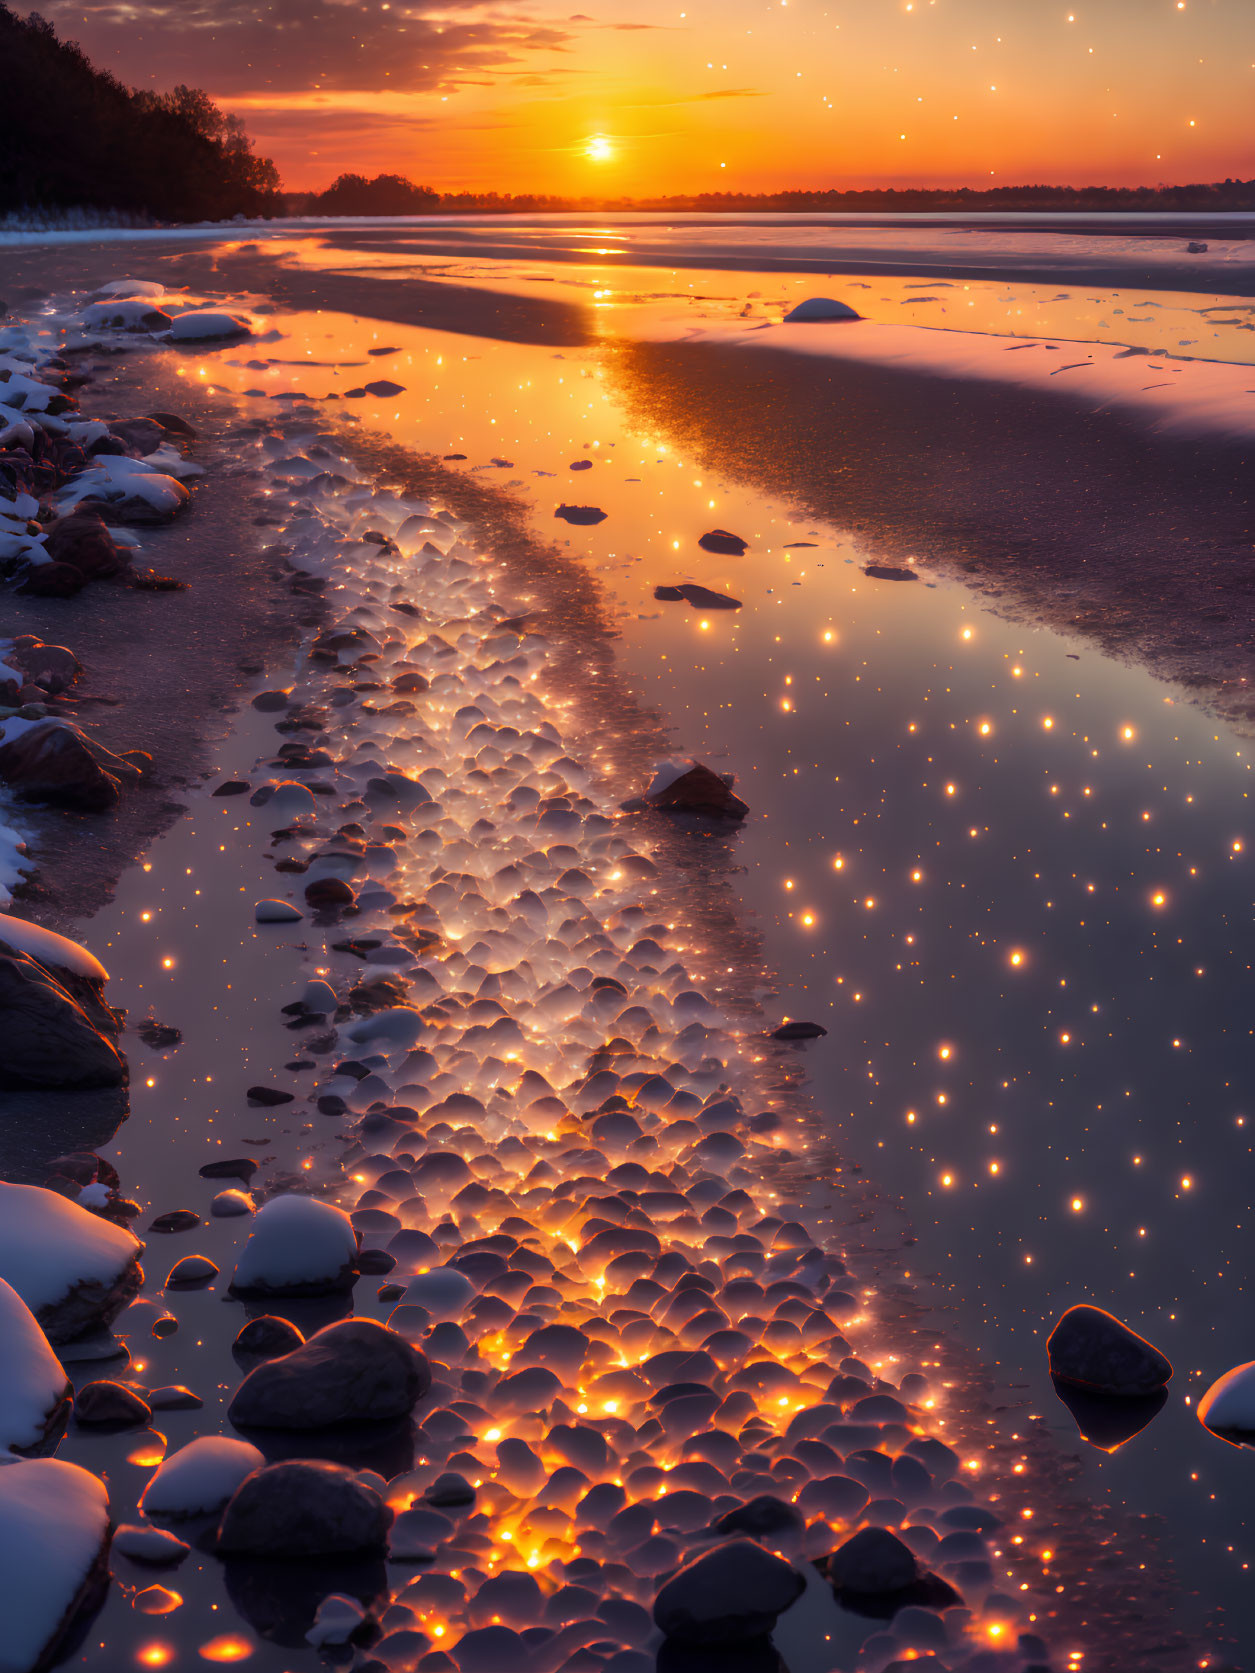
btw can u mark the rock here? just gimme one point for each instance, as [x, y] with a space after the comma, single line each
[74, 1270]
[51, 666]
[703, 599]
[277, 912]
[232, 787]
[200, 1477]
[700, 792]
[1095, 1350]
[174, 425]
[818, 308]
[355, 1371]
[173, 1397]
[51, 761]
[110, 1405]
[1195, 248]
[157, 1547]
[83, 541]
[1107, 1421]
[582, 514]
[47, 1036]
[765, 1517]
[53, 580]
[298, 1246]
[54, 1538]
[191, 1272]
[668, 595]
[799, 1031]
[719, 540]
[326, 892]
[125, 314]
[268, 1096]
[889, 572]
[304, 1509]
[874, 1560]
[176, 1220]
[159, 1035]
[201, 324]
[383, 388]
[34, 1389]
[268, 1337]
[1228, 1407]
[416, 1533]
[731, 1593]
[230, 1203]
[230, 1167]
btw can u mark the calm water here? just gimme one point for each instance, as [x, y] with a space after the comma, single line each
[1010, 877]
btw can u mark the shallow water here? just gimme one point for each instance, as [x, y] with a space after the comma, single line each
[1073, 942]
[1012, 885]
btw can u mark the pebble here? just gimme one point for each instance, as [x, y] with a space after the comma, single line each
[192, 1271]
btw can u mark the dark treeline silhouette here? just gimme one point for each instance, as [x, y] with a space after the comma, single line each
[386, 194]
[72, 137]
[391, 194]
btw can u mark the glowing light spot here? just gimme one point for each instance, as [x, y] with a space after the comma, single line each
[966, 634]
[1187, 1184]
[943, 1052]
[1078, 1203]
[808, 919]
[167, 964]
[951, 789]
[227, 1648]
[1017, 958]
[947, 1179]
[599, 149]
[1159, 898]
[1128, 734]
[154, 1655]
[917, 876]
[985, 728]
[1047, 722]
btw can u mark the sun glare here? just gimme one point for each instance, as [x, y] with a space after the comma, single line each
[599, 149]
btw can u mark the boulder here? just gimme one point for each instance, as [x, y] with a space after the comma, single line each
[699, 792]
[74, 1270]
[49, 1037]
[83, 541]
[355, 1371]
[54, 1541]
[303, 1508]
[734, 1592]
[51, 761]
[1091, 1348]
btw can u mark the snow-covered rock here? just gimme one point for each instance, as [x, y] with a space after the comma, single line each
[399, 1026]
[199, 326]
[55, 951]
[124, 314]
[1228, 1407]
[54, 1535]
[277, 912]
[73, 1270]
[34, 1389]
[200, 1477]
[157, 1546]
[118, 289]
[298, 1246]
[816, 308]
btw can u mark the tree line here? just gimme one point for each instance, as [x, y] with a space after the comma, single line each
[72, 137]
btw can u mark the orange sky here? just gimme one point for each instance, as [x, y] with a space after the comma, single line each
[739, 95]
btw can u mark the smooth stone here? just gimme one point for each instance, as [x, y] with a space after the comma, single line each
[734, 1592]
[303, 1508]
[110, 1404]
[1090, 1347]
[277, 912]
[191, 1271]
[230, 1167]
[874, 1560]
[355, 1371]
[815, 309]
[268, 1337]
[1228, 1407]
[230, 1205]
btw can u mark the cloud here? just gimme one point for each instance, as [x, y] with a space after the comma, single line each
[235, 47]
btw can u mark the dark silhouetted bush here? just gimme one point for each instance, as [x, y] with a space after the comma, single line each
[386, 194]
[73, 137]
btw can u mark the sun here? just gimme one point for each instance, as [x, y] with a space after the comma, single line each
[599, 149]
